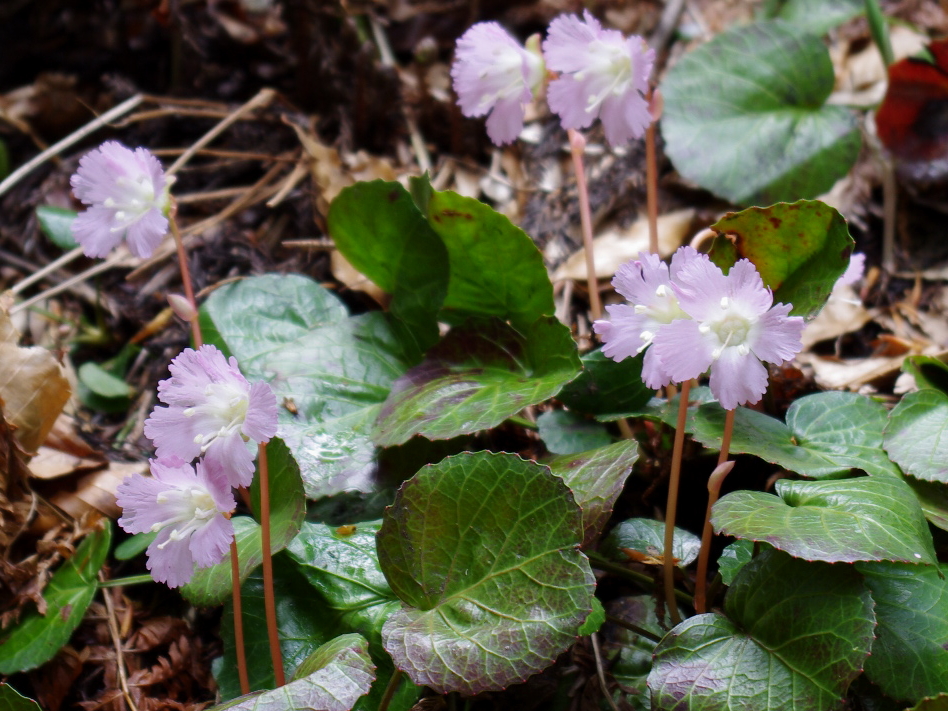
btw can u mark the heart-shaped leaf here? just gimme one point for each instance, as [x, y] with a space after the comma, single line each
[826, 435]
[496, 270]
[212, 586]
[596, 479]
[910, 655]
[378, 228]
[734, 557]
[795, 635]
[915, 435]
[606, 387]
[800, 250]
[849, 520]
[331, 679]
[475, 378]
[565, 432]
[646, 537]
[36, 638]
[773, 138]
[483, 549]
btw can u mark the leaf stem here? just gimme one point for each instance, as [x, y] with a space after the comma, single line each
[393, 683]
[651, 172]
[632, 627]
[238, 620]
[879, 30]
[671, 507]
[714, 489]
[577, 144]
[597, 560]
[186, 280]
[130, 580]
[269, 598]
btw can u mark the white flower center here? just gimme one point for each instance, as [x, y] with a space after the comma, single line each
[132, 199]
[733, 329]
[609, 72]
[225, 410]
[188, 511]
[504, 79]
[663, 309]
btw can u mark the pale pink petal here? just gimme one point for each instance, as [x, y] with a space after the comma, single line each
[683, 350]
[92, 229]
[567, 45]
[682, 257]
[144, 236]
[210, 544]
[700, 285]
[234, 458]
[622, 334]
[505, 122]
[136, 496]
[745, 285]
[170, 562]
[777, 336]
[172, 433]
[624, 117]
[653, 372]
[737, 379]
[854, 272]
[567, 99]
[261, 421]
[637, 280]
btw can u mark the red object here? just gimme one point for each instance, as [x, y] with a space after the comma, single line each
[912, 121]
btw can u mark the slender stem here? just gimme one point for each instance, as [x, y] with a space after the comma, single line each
[632, 627]
[269, 599]
[130, 580]
[577, 144]
[393, 683]
[601, 672]
[238, 620]
[671, 507]
[641, 579]
[701, 577]
[879, 30]
[186, 280]
[651, 183]
[726, 437]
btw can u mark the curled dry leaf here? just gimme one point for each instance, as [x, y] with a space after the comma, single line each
[33, 387]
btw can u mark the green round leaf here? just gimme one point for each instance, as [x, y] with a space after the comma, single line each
[605, 386]
[800, 250]
[734, 557]
[378, 228]
[826, 435]
[795, 635]
[595, 619]
[565, 432]
[483, 549]
[910, 655]
[647, 536]
[929, 373]
[103, 383]
[596, 479]
[331, 679]
[56, 223]
[12, 700]
[131, 547]
[36, 638]
[496, 270]
[745, 116]
[869, 518]
[817, 16]
[937, 703]
[212, 586]
[477, 377]
[933, 498]
[915, 435]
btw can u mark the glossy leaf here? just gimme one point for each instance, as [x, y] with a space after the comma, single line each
[929, 373]
[773, 137]
[483, 550]
[933, 498]
[734, 557]
[12, 700]
[596, 479]
[496, 270]
[646, 537]
[595, 619]
[331, 679]
[910, 655]
[632, 652]
[605, 386]
[102, 382]
[302, 623]
[825, 436]
[800, 250]
[794, 636]
[56, 223]
[36, 638]
[666, 411]
[936, 703]
[565, 432]
[475, 378]
[863, 519]
[817, 16]
[212, 586]
[378, 228]
[915, 435]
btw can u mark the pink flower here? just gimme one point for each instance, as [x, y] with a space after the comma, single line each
[186, 509]
[603, 75]
[647, 284]
[127, 195]
[213, 411]
[494, 74]
[734, 325]
[854, 272]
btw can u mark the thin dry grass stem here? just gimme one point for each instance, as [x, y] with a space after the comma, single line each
[577, 145]
[299, 172]
[701, 576]
[671, 508]
[69, 283]
[211, 195]
[117, 644]
[269, 597]
[889, 200]
[601, 672]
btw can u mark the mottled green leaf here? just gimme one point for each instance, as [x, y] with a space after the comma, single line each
[483, 549]
[793, 637]
[378, 228]
[800, 250]
[475, 378]
[910, 655]
[12, 700]
[212, 586]
[594, 620]
[331, 679]
[915, 436]
[826, 435]
[606, 387]
[56, 223]
[745, 116]
[36, 638]
[647, 536]
[596, 479]
[817, 16]
[863, 519]
[632, 652]
[734, 557]
[565, 432]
